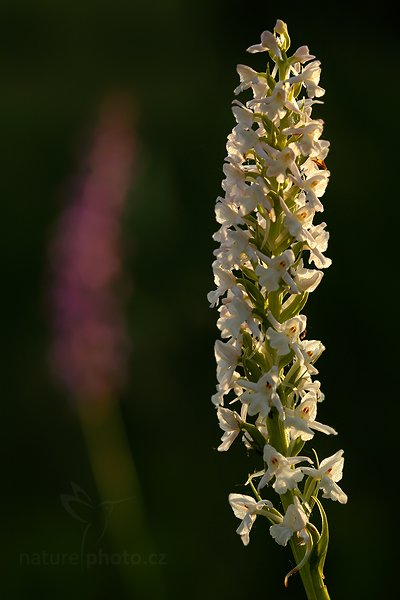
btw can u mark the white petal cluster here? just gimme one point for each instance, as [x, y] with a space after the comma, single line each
[280, 467]
[294, 521]
[262, 396]
[329, 472]
[246, 509]
[270, 257]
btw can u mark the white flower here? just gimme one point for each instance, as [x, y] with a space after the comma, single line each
[241, 141]
[235, 180]
[294, 520]
[310, 76]
[227, 214]
[319, 245]
[306, 385]
[311, 166]
[330, 471]
[280, 163]
[253, 195]
[244, 116]
[262, 395]
[250, 79]
[223, 389]
[301, 420]
[301, 55]
[285, 335]
[235, 248]
[276, 105]
[268, 42]
[229, 421]
[247, 509]
[277, 269]
[314, 187]
[224, 280]
[281, 29]
[306, 279]
[226, 355]
[299, 222]
[311, 351]
[310, 133]
[234, 312]
[280, 467]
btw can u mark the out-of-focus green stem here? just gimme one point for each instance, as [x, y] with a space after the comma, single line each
[117, 481]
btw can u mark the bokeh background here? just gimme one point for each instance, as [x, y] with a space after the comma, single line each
[176, 61]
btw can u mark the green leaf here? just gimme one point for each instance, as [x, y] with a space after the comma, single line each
[297, 249]
[270, 80]
[297, 447]
[297, 89]
[285, 360]
[310, 486]
[256, 435]
[253, 360]
[247, 342]
[251, 368]
[294, 307]
[275, 304]
[318, 556]
[249, 273]
[304, 560]
[254, 293]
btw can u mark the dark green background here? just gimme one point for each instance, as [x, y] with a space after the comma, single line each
[177, 59]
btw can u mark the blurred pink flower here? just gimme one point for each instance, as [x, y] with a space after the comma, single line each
[90, 346]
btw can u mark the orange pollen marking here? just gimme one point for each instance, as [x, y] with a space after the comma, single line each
[293, 329]
[310, 352]
[320, 163]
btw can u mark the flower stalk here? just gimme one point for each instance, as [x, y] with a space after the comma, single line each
[91, 344]
[271, 256]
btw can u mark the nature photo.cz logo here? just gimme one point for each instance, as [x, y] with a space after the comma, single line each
[94, 518]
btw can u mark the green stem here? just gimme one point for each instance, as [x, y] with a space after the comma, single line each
[311, 576]
[321, 591]
[118, 483]
[298, 553]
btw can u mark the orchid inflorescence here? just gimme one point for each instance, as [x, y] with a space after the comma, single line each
[269, 259]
